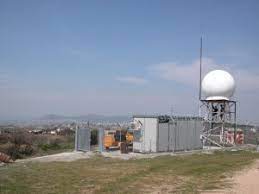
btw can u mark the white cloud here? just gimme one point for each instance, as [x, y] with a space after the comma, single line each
[132, 80]
[182, 73]
[188, 74]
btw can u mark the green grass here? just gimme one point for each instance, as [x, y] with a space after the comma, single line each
[182, 174]
[54, 144]
[47, 149]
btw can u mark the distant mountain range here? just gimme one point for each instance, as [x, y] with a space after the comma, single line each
[89, 117]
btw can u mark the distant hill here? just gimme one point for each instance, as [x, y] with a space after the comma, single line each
[89, 117]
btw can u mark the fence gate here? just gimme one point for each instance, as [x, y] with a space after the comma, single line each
[82, 139]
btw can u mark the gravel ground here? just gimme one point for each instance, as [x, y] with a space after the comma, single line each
[61, 157]
[132, 155]
[72, 156]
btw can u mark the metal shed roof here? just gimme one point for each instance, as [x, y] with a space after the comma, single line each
[174, 117]
[166, 118]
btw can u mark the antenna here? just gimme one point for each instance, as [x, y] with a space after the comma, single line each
[200, 69]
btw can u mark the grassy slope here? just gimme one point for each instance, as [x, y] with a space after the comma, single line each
[186, 174]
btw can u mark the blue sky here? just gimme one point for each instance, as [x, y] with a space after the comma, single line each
[123, 57]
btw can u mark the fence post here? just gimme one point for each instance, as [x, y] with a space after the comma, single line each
[100, 139]
[76, 133]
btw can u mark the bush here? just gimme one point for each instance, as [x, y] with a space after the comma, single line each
[4, 138]
[13, 151]
[46, 147]
[66, 132]
[26, 150]
[20, 138]
[52, 145]
[18, 152]
[18, 146]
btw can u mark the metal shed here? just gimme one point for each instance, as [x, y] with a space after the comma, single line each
[166, 134]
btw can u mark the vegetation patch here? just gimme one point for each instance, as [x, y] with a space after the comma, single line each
[183, 174]
[21, 144]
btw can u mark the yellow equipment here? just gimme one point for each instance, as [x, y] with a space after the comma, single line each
[113, 139]
[129, 137]
[109, 141]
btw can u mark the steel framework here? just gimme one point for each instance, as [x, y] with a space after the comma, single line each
[219, 118]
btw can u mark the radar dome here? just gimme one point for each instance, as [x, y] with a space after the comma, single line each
[218, 85]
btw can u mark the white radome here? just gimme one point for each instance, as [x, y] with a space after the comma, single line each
[218, 85]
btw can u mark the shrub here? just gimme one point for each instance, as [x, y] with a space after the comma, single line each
[66, 132]
[18, 145]
[52, 145]
[4, 138]
[19, 138]
[13, 152]
[26, 150]
[46, 147]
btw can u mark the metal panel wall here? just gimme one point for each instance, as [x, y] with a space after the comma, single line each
[181, 126]
[150, 134]
[82, 140]
[172, 137]
[185, 134]
[137, 146]
[163, 137]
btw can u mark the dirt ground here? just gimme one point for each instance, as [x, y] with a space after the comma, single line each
[247, 181]
[244, 182]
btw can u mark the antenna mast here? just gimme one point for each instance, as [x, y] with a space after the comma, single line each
[200, 69]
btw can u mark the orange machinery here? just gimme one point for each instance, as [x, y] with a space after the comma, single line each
[113, 139]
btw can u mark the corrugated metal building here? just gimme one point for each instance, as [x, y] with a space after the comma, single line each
[165, 134]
